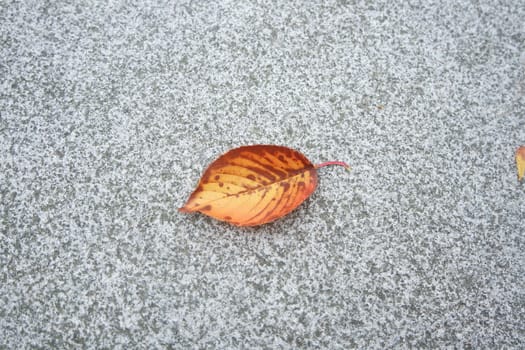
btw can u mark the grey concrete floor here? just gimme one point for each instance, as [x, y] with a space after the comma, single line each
[110, 111]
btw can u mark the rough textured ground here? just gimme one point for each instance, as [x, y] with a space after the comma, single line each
[109, 113]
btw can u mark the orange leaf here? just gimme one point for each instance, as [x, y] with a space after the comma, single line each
[254, 185]
[520, 162]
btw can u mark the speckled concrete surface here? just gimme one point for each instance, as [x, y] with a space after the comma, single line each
[110, 112]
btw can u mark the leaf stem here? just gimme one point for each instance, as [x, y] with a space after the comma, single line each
[334, 162]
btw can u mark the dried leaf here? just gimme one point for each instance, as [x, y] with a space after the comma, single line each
[254, 185]
[520, 162]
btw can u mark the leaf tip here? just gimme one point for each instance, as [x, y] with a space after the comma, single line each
[183, 209]
[520, 162]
